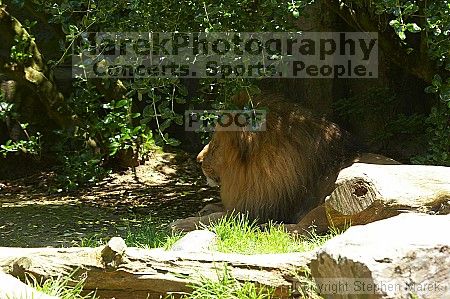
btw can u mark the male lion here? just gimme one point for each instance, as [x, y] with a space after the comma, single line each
[280, 173]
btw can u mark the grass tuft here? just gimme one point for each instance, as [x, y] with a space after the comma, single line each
[146, 235]
[62, 287]
[239, 235]
[226, 287]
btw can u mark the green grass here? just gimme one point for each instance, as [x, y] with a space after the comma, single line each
[226, 287]
[150, 236]
[146, 235]
[238, 235]
[61, 287]
[94, 240]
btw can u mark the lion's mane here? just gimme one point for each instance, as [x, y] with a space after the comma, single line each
[280, 173]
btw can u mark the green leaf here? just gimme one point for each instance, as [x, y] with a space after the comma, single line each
[148, 112]
[179, 100]
[178, 120]
[413, 27]
[136, 130]
[437, 80]
[431, 89]
[165, 124]
[121, 103]
[173, 142]
[145, 120]
[410, 8]
[394, 23]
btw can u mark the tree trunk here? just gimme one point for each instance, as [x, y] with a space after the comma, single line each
[31, 72]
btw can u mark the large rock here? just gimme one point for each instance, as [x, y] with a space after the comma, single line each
[400, 257]
[196, 241]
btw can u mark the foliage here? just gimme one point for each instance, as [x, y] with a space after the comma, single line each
[170, 16]
[226, 287]
[94, 240]
[436, 23]
[77, 169]
[409, 19]
[438, 129]
[422, 27]
[20, 49]
[30, 145]
[136, 118]
[438, 132]
[26, 143]
[122, 123]
[236, 234]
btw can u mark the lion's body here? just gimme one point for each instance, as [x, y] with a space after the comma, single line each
[282, 172]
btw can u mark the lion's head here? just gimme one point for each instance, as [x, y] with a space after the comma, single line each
[280, 172]
[210, 157]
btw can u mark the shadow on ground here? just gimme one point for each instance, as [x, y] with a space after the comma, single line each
[170, 186]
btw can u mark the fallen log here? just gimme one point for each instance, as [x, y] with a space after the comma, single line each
[120, 272]
[367, 192]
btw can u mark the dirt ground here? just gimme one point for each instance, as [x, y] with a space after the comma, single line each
[169, 186]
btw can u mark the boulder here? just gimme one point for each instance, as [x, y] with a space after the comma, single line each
[401, 257]
[196, 241]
